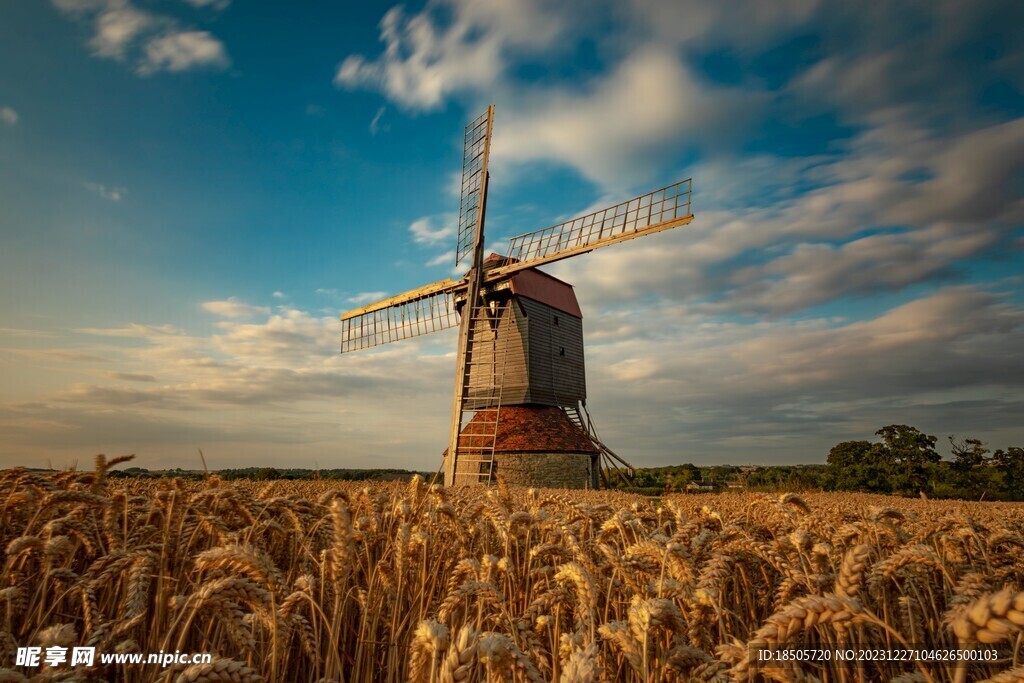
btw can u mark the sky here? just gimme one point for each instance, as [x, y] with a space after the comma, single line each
[193, 191]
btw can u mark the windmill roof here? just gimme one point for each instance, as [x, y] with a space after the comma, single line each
[539, 286]
[529, 429]
[546, 289]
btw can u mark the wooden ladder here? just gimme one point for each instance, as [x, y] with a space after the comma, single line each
[482, 394]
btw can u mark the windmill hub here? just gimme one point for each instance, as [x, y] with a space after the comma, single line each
[519, 406]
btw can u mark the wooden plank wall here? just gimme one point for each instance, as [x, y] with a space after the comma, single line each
[557, 375]
[544, 362]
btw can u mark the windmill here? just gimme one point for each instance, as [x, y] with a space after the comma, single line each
[519, 405]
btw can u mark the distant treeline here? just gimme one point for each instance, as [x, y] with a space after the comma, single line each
[270, 473]
[903, 462]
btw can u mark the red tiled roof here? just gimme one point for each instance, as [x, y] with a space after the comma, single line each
[528, 429]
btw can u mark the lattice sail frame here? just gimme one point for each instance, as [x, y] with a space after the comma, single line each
[476, 145]
[399, 321]
[639, 215]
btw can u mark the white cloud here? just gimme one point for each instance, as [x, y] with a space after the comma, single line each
[21, 332]
[810, 383]
[658, 375]
[619, 130]
[131, 376]
[818, 273]
[447, 258]
[366, 298]
[375, 124]
[214, 4]
[427, 58]
[696, 23]
[433, 229]
[279, 295]
[233, 308]
[52, 355]
[135, 330]
[763, 243]
[616, 128]
[643, 108]
[918, 182]
[184, 50]
[8, 116]
[113, 194]
[243, 391]
[152, 42]
[117, 27]
[289, 338]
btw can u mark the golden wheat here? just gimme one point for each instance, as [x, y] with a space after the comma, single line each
[321, 581]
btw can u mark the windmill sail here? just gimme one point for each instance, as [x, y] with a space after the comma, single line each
[431, 308]
[476, 145]
[649, 213]
[472, 210]
[421, 311]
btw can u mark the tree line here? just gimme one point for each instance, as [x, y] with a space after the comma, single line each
[903, 461]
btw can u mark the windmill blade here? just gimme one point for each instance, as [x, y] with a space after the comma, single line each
[475, 152]
[647, 214]
[412, 314]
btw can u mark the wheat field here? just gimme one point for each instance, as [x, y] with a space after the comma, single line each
[324, 581]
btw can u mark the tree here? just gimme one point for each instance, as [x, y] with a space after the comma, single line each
[1010, 464]
[683, 475]
[266, 474]
[968, 466]
[849, 466]
[909, 455]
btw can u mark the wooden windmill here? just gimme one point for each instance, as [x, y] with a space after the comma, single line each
[519, 405]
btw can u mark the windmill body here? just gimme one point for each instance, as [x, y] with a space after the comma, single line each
[534, 351]
[519, 405]
[528, 377]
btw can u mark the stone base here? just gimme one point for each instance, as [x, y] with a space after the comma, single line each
[542, 470]
[534, 445]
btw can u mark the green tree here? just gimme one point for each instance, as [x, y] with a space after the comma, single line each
[909, 455]
[1010, 464]
[683, 476]
[969, 467]
[266, 474]
[851, 466]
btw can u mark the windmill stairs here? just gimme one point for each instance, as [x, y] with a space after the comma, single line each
[611, 461]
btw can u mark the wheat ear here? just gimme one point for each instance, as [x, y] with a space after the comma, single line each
[989, 619]
[219, 670]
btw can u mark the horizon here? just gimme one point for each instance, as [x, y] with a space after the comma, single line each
[193, 191]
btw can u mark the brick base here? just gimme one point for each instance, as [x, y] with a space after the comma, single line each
[543, 470]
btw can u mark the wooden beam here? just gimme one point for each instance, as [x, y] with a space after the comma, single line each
[423, 292]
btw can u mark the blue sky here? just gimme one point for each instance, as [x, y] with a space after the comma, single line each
[191, 191]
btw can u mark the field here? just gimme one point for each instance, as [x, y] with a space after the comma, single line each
[316, 581]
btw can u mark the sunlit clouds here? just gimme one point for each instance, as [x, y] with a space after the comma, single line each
[191, 203]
